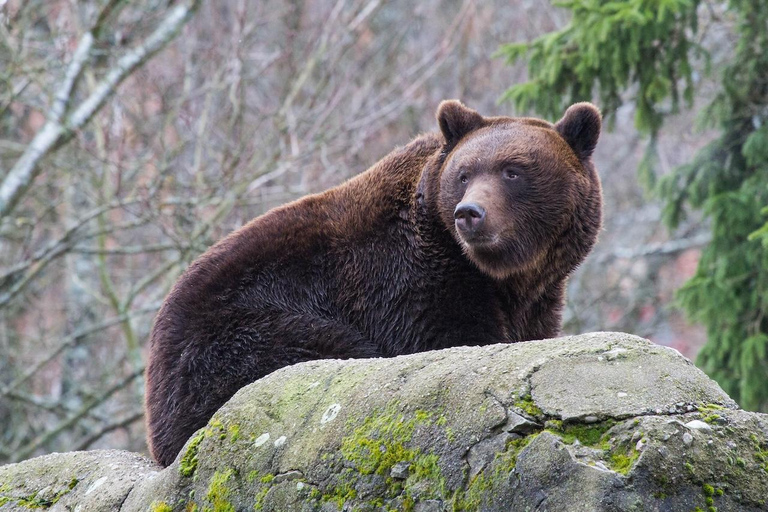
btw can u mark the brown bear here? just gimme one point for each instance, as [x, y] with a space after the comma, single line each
[465, 237]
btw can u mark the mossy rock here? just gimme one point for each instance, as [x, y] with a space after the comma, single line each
[87, 481]
[603, 421]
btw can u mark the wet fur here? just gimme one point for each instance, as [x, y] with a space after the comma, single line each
[371, 268]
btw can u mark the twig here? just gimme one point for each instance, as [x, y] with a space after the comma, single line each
[53, 406]
[109, 427]
[55, 133]
[71, 341]
[53, 250]
[128, 250]
[39, 441]
[664, 249]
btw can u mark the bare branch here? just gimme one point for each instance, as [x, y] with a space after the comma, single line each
[133, 249]
[71, 341]
[51, 405]
[55, 133]
[106, 429]
[39, 441]
[74, 71]
[166, 31]
[34, 265]
[669, 248]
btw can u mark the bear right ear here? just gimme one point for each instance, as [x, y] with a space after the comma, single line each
[580, 127]
[456, 121]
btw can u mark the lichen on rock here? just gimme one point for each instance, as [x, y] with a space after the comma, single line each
[607, 421]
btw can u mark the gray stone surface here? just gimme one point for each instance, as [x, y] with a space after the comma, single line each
[84, 481]
[599, 422]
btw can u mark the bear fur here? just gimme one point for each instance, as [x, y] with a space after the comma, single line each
[463, 237]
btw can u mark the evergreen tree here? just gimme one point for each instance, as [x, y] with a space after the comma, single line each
[648, 47]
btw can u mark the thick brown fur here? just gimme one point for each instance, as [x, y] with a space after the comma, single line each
[376, 267]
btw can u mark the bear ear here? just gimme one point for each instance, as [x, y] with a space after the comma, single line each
[580, 127]
[456, 121]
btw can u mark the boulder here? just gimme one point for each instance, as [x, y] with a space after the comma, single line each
[601, 421]
[91, 481]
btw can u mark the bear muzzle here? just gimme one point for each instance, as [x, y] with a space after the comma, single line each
[470, 218]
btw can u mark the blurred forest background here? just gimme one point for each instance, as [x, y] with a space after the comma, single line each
[223, 110]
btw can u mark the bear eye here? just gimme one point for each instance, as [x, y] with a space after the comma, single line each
[463, 178]
[510, 174]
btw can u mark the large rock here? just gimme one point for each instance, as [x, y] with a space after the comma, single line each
[84, 481]
[602, 421]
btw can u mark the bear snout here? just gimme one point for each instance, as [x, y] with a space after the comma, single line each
[469, 218]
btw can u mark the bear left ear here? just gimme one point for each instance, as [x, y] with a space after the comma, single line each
[456, 121]
[580, 127]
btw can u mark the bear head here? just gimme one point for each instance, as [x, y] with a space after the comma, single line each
[514, 192]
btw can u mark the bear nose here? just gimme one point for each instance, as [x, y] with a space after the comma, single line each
[469, 217]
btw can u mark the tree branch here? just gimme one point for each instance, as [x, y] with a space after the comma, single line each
[71, 341]
[106, 429]
[55, 133]
[64, 425]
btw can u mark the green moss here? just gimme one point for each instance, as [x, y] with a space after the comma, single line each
[761, 452]
[492, 477]
[556, 425]
[374, 447]
[252, 476]
[381, 441]
[508, 459]
[258, 503]
[426, 467]
[588, 435]
[621, 460]
[341, 493]
[216, 428]
[528, 406]
[425, 473]
[160, 507]
[188, 463]
[35, 501]
[422, 416]
[267, 478]
[218, 492]
[709, 412]
[709, 493]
